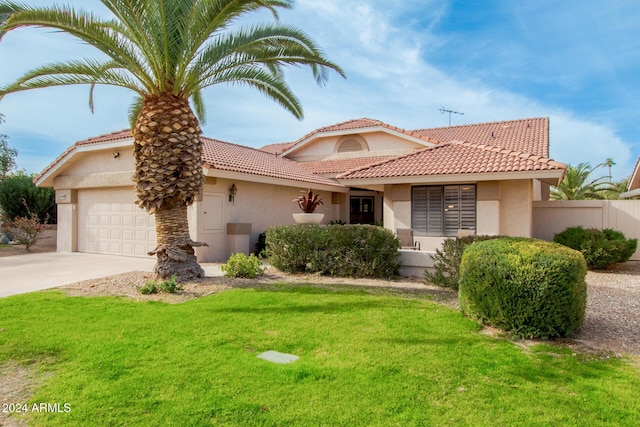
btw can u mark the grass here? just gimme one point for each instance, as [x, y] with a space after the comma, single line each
[371, 360]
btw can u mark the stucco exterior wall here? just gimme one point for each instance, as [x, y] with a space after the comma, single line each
[261, 205]
[113, 160]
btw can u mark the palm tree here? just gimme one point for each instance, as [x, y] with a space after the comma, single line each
[614, 189]
[167, 52]
[576, 184]
[609, 163]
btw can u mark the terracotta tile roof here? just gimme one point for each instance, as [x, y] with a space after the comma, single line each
[456, 158]
[226, 156]
[332, 167]
[509, 146]
[223, 156]
[526, 135]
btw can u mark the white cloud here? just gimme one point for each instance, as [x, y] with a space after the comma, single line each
[384, 47]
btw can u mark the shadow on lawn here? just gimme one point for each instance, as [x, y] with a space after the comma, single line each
[329, 307]
[436, 294]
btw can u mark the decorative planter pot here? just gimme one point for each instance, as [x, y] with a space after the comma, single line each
[308, 218]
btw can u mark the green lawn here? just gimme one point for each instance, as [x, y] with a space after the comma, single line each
[365, 360]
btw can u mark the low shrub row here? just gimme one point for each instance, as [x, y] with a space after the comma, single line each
[527, 287]
[336, 250]
[601, 249]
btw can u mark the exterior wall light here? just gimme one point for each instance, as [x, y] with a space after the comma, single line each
[232, 193]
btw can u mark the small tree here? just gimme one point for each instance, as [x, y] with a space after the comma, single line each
[7, 155]
[25, 230]
[40, 201]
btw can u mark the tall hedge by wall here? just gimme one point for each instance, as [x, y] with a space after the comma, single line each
[527, 287]
[601, 249]
[336, 250]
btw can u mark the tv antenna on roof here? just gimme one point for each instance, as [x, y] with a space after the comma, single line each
[443, 110]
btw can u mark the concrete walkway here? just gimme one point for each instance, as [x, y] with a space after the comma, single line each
[32, 272]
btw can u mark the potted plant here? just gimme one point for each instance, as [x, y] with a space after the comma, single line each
[308, 203]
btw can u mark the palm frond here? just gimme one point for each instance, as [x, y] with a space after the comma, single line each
[576, 184]
[107, 36]
[134, 110]
[74, 72]
[198, 106]
[274, 87]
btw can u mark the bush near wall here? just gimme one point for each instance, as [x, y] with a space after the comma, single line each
[336, 250]
[447, 260]
[601, 249]
[528, 287]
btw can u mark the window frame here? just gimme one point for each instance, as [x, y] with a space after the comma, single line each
[442, 210]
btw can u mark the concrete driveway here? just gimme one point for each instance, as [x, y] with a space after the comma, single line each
[33, 272]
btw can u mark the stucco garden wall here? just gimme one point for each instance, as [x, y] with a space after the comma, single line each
[552, 217]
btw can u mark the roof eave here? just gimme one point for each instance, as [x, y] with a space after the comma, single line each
[552, 177]
[263, 179]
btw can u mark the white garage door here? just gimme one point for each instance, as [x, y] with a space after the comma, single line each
[109, 222]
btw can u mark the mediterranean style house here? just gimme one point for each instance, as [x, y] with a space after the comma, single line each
[480, 178]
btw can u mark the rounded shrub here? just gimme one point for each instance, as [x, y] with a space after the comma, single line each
[528, 287]
[601, 249]
[240, 265]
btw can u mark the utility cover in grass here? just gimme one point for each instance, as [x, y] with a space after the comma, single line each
[277, 357]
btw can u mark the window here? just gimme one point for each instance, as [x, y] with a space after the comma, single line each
[351, 144]
[361, 210]
[443, 210]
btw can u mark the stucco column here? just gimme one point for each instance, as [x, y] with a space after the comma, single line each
[516, 208]
[488, 208]
[397, 206]
[67, 239]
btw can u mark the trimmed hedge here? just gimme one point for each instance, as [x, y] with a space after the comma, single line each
[447, 260]
[601, 249]
[528, 287]
[335, 250]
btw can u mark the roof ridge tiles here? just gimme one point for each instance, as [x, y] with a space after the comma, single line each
[483, 124]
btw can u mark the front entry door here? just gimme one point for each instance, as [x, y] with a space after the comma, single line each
[362, 210]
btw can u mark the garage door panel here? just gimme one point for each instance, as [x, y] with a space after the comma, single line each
[110, 222]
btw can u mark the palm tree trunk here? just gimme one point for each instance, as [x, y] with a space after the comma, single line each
[168, 177]
[175, 248]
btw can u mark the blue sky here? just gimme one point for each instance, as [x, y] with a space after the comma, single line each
[574, 61]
